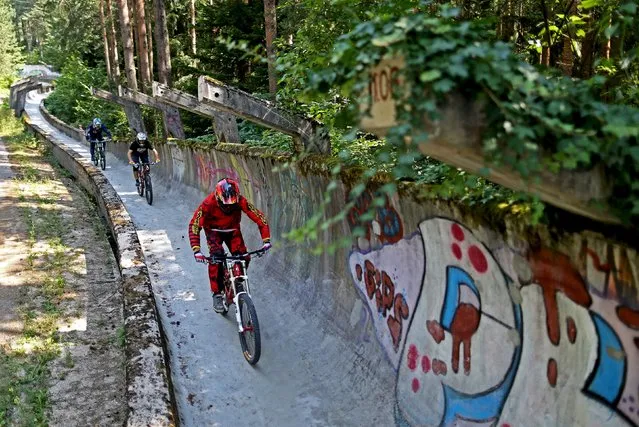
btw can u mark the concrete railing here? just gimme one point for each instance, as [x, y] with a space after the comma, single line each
[552, 315]
[70, 131]
[148, 392]
[19, 90]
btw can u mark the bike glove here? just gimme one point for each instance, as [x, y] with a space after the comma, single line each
[199, 257]
[267, 246]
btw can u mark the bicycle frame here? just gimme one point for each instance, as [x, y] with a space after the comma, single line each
[144, 169]
[234, 278]
[233, 282]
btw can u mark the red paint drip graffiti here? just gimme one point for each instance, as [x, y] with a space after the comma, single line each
[425, 364]
[465, 323]
[554, 272]
[571, 327]
[629, 317]
[552, 372]
[412, 357]
[415, 385]
[457, 252]
[380, 286]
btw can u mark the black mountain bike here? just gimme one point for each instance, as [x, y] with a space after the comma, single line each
[99, 153]
[237, 291]
[145, 187]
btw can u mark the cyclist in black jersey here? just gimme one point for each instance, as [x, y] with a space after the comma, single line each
[139, 154]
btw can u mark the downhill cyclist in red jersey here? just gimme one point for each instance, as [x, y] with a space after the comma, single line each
[220, 215]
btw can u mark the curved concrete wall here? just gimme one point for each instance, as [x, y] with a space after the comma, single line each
[75, 133]
[148, 394]
[467, 324]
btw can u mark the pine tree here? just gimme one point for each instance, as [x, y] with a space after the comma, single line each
[10, 54]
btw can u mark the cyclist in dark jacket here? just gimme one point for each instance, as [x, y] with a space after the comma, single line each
[95, 132]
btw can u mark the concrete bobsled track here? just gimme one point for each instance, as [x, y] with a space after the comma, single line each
[435, 317]
[308, 373]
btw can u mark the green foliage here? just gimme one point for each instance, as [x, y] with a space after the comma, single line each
[60, 30]
[533, 122]
[219, 23]
[73, 103]
[10, 55]
[258, 136]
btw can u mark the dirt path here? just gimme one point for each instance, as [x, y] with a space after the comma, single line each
[13, 251]
[63, 363]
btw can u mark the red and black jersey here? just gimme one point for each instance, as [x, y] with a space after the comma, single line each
[210, 217]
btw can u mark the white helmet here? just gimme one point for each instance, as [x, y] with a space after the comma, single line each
[141, 136]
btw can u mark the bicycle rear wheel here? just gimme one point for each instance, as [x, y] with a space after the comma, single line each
[149, 189]
[250, 339]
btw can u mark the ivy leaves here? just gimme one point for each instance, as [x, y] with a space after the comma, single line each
[533, 121]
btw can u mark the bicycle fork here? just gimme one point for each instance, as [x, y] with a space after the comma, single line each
[236, 296]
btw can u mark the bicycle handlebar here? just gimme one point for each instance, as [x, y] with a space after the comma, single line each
[140, 164]
[240, 257]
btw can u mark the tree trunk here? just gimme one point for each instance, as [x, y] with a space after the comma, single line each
[506, 21]
[270, 23]
[105, 41]
[127, 44]
[170, 117]
[113, 41]
[616, 47]
[587, 54]
[149, 41]
[192, 28]
[545, 55]
[27, 35]
[162, 43]
[567, 58]
[143, 50]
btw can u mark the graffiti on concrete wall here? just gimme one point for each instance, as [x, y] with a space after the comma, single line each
[177, 158]
[389, 287]
[386, 226]
[208, 174]
[505, 337]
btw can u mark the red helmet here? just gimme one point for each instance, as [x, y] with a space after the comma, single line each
[227, 191]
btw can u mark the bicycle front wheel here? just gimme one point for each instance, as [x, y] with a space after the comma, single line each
[102, 160]
[250, 339]
[148, 189]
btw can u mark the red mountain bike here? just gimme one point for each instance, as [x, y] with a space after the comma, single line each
[237, 291]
